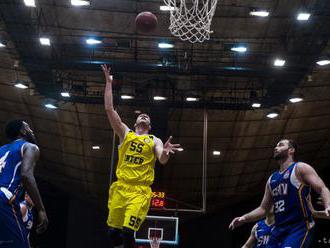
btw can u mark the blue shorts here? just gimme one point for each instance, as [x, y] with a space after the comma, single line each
[11, 226]
[291, 236]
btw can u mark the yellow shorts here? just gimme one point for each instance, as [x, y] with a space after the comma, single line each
[128, 205]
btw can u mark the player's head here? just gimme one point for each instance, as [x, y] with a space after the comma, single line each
[28, 200]
[16, 129]
[284, 149]
[143, 120]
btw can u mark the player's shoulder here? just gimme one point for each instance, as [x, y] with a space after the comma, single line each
[302, 166]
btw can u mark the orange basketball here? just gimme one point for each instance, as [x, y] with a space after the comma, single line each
[146, 22]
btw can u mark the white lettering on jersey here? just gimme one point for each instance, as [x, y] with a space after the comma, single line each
[3, 161]
[281, 189]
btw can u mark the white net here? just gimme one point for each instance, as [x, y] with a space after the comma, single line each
[154, 242]
[191, 19]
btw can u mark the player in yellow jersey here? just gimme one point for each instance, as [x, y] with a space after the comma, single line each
[130, 195]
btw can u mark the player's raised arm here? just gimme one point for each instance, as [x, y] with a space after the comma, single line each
[309, 176]
[251, 242]
[163, 151]
[117, 125]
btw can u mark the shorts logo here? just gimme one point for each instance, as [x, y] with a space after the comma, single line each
[147, 140]
[286, 175]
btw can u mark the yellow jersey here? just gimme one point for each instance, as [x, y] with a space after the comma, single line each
[136, 159]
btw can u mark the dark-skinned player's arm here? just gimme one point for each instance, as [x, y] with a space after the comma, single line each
[256, 214]
[117, 125]
[163, 151]
[30, 158]
[251, 242]
[307, 175]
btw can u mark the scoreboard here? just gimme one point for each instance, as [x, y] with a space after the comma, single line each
[158, 199]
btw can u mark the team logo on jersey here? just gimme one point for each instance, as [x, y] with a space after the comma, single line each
[286, 175]
[147, 140]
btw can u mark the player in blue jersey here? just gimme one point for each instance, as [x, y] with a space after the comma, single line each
[288, 191]
[260, 233]
[17, 162]
[27, 215]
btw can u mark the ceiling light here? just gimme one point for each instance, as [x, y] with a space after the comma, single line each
[2, 44]
[166, 8]
[216, 153]
[165, 45]
[50, 106]
[30, 3]
[92, 41]
[256, 105]
[323, 62]
[137, 112]
[295, 99]
[159, 98]
[21, 85]
[126, 97]
[44, 41]
[96, 147]
[192, 99]
[261, 13]
[272, 115]
[180, 149]
[279, 62]
[80, 2]
[240, 49]
[65, 94]
[303, 16]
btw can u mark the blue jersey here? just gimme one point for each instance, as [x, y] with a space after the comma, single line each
[10, 168]
[262, 234]
[290, 198]
[27, 219]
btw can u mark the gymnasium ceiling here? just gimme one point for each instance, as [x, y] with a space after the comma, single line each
[226, 83]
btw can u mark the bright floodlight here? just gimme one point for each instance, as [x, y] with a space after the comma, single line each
[166, 8]
[96, 147]
[261, 13]
[240, 49]
[191, 99]
[21, 86]
[80, 2]
[126, 97]
[216, 153]
[256, 105]
[93, 41]
[323, 62]
[272, 115]
[279, 62]
[180, 149]
[303, 16]
[2, 44]
[44, 41]
[30, 3]
[159, 98]
[50, 106]
[165, 45]
[295, 99]
[65, 94]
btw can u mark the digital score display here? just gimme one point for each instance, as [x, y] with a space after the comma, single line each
[158, 199]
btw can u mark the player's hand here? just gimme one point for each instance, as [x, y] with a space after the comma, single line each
[169, 147]
[327, 211]
[238, 221]
[107, 70]
[42, 221]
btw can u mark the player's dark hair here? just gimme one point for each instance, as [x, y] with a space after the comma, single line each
[293, 144]
[12, 129]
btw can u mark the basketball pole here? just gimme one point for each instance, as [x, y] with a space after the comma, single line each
[204, 190]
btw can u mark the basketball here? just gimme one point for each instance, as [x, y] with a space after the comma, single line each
[146, 22]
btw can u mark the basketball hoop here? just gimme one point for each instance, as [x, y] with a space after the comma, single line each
[191, 19]
[154, 242]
